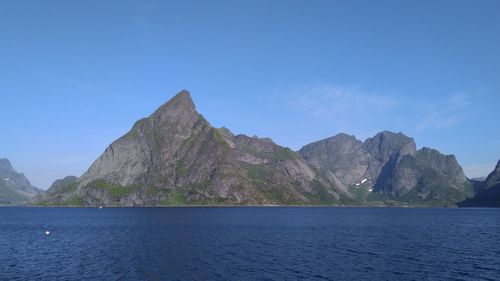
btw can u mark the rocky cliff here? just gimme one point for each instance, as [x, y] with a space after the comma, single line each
[388, 166]
[15, 188]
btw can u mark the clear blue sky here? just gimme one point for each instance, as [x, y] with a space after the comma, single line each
[75, 75]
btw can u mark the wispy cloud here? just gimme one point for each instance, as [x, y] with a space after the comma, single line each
[345, 109]
[362, 112]
[327, 101]
[454, 110]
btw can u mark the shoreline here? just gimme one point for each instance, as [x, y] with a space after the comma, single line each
[252, 206]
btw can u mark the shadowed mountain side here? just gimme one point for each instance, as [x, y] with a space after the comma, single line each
[489, 191]
[388, 166]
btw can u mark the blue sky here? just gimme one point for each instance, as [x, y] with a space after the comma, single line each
[75, 75]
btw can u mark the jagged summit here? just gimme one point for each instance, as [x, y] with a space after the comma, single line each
[182, 101]
[386, 143]
[338, 137]
[388, 163]
[5, 164]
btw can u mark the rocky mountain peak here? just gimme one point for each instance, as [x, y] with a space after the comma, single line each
[175, 156]
[150, 145]
[342, 156]
[342, 137]
[447, 164]
[181, 102]
[340, 141]
[385, 144]
[6, 166]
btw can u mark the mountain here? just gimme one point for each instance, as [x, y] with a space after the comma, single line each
[493, 178]
[14, 187]
[175, 156]
[388, 167]
[488, 194]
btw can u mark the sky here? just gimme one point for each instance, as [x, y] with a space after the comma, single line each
[76, 75]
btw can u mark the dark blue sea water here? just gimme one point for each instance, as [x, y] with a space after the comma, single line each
[249, 244]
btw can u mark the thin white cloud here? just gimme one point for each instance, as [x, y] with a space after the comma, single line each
[346, 108]
[333, 101]
[361, 112]
[449, 113]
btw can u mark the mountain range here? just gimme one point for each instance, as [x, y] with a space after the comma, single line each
[176, 157]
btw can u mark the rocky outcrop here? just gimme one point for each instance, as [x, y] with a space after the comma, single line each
[493, 178]
[390, 165]
[15, 188]
[342, 155]
[175, 156]
[446, 164]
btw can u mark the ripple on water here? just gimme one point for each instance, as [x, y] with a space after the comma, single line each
[249, 244]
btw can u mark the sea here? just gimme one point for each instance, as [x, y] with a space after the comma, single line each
[249, 243]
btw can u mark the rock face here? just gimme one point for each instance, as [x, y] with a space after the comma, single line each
[59, 193]
[493, 178]
[388, 164]
[14, 187]
[343, 156]
[488, 194]
[175, 156]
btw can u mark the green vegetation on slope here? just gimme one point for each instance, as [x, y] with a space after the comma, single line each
[176, 197]
[114, 189]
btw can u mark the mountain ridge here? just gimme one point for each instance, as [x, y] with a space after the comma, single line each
[175, 156]
[389, 165]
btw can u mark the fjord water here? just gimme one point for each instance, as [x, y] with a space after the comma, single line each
[249, 243]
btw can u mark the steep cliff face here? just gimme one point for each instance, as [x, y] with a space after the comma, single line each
[14, 187]
[353, 161]
[149, 152]
[175, 156]
[388, 164]
[493, 178]
[341, 155]
[387, 149]
[447, 164]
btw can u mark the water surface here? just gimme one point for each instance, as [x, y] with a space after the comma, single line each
[249, 244]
